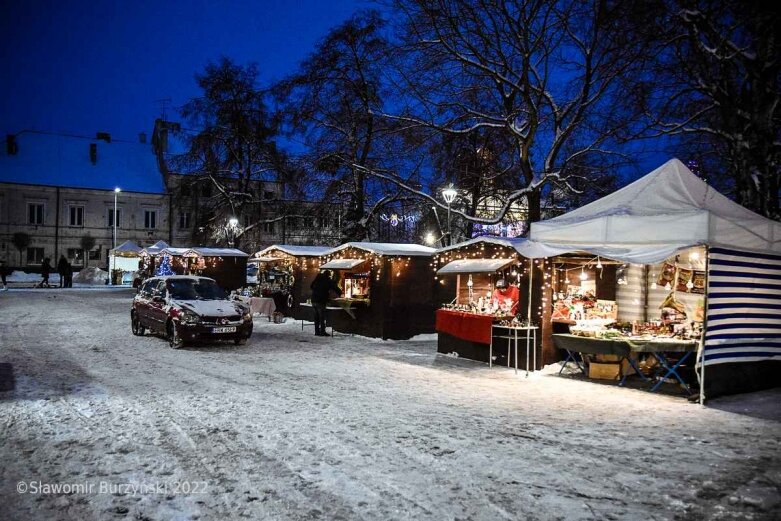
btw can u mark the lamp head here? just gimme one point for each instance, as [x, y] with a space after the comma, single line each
[449, 194]
[117, 190]
[233, 221]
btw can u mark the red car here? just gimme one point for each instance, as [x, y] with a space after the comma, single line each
[187, 309]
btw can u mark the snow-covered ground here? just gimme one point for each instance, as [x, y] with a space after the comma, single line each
[293, 426]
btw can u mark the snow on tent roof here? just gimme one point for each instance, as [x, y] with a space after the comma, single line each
[649, 220]
[474, 266]
[381, 248]
[527, 248]
[342, 264]
[127, 246]
[126, 249]
[155, 248]
[62, 160]
[295, 250]
[176, 252]
[214, 252]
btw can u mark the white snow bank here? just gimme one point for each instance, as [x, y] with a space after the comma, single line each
[21, 276]
[91, 275]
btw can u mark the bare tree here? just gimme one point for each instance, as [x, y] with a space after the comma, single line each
[21, 240]
[232, 148]
[716, 85]
[328, 106]
[543, 74]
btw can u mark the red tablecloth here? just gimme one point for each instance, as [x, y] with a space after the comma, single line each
[467, 326]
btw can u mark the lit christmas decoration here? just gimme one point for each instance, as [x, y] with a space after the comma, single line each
[165, 267]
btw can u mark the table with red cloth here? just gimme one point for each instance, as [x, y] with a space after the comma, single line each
[466, 326]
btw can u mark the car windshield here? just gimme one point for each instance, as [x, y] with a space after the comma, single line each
[195, 289]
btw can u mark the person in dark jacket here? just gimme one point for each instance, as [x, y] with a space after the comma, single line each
[68, 274]
[46, 269]
[4, 272]
[321, 288]
[62, 268]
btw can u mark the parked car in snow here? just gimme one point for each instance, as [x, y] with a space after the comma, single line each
[187, 308]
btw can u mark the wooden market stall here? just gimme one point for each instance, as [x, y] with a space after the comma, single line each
[285, 273]
[387, 289]
[476, 320]
[227, 266]
[685, 243]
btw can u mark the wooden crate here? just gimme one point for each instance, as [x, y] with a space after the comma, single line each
[604, 370]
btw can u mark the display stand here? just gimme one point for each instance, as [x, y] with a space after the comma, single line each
[511, 334]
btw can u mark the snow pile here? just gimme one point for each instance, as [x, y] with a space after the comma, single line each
[91, 276]
[21, 276]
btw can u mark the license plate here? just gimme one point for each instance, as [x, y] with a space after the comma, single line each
[231, 329]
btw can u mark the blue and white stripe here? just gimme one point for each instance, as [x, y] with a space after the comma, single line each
[744, 307]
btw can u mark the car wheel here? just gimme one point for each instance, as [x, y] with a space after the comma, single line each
[136, 326]
[239, 341]
[173, 337]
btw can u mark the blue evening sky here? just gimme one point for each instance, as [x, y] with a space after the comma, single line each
[84, 66]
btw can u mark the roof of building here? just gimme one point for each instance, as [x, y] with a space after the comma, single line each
[63, 160]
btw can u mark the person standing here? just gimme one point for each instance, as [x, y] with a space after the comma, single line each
[3, 274]
[46, 269]
[321, 288]
[68, 274]
[62, 266]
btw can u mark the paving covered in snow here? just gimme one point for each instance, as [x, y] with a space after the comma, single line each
[293, 426]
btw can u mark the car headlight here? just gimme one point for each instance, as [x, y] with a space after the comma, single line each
[246, 316]
[188, 317]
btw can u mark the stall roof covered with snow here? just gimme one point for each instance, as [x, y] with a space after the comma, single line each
[294, 250]
[155, 248]
[126, 249]
[381, 248]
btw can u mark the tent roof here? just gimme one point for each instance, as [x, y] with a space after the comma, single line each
[127, 247]
[155, 248]
[342, 264]
[382, 248]
[294, 250]
[474, 266]
[663, 212]
[525, 247]
[213, 252]
[176, 252]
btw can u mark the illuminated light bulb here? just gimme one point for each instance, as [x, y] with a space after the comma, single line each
[668, 286]
[695, 255]
[599, 264]
[690, 284]
[583, 275]
[653, 285]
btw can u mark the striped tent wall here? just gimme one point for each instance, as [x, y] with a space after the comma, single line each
[744, 307]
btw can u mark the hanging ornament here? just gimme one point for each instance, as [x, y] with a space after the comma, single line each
[583, 275]
[599, 263]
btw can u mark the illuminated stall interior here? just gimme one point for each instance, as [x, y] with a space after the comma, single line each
[386, 289]
[285, 273]
[465, 277]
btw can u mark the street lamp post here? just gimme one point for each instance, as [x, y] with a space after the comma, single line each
[449, 194]
[114, 258]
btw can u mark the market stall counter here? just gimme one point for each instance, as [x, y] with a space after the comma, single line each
[659, 350]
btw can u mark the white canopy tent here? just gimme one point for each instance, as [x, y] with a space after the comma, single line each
[668, 210]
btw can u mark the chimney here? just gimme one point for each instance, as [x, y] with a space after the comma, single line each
[105, 136]
[93, 153]
[12, 147]
[142, 138]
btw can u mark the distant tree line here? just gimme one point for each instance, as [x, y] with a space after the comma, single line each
[524, 105]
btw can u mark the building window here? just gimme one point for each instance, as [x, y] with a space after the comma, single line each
[150, 219]
[111, 217]
[76, 216]
[246, 221]
[94, 254]
[184, 190]
[76, 255]
[268, 227]
[184, 220]
[206, 191]
[269, 195]
[35, 213]
[34, 255]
